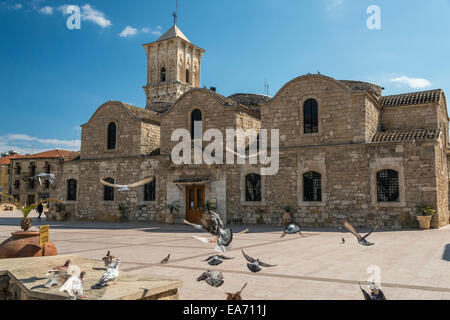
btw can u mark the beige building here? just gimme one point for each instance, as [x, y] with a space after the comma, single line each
[346, 151]
[24, 168]
[5, 171]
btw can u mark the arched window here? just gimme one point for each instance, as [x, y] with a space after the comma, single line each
[196, 116]
[112, 132]
[387, 186]
[187, 76]
[71, 190]
[108, 192]
[312, 187]
[150, 191]
[163, 74]
[311, 116]
[253, 188]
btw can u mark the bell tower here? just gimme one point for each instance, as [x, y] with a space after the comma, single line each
[173, 67]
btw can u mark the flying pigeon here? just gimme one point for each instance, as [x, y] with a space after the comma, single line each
[74, 286]
[236, 296]
[361, 240]
[255, 264]
[126, 188]
[214, 225]
[213, 278]
[109, 276]
[165, 260]
[45, 176]
[292, 229]
[108, 259]
[216, 260]
[58, 274]
[375, 293]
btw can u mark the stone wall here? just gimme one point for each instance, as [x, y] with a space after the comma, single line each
[410, 117]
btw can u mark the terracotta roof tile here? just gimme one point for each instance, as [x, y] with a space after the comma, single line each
[413, 98]
[51, 154]
[142, 114]
[401, 135]
[7, 160]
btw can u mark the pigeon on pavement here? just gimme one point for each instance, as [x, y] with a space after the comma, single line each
[74, 286]
[212, 277]
[166, 260]
[292, 229]
[216, 260]
[58, 275]
[109, 276]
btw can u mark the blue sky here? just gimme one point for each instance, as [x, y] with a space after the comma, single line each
[52, 79]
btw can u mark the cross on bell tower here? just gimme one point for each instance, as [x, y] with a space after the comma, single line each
[175, 15]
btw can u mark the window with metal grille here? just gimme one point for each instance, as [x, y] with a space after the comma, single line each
[312, 187]
[163, 74]
[112, 131]
[253, 188]
[387, 186]
[196, 116]
[311, 116]
[72, 190]
[108, 192]
[150, 191]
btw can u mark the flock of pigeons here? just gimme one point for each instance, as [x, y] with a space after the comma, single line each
[71, 278]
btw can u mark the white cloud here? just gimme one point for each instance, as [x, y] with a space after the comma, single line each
[26, 144]
[90, 14]
[128, 31]
[334, 4]
[46, 10]
[414, 83]
[16, 6]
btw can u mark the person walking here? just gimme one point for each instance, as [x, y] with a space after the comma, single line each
[40, 209]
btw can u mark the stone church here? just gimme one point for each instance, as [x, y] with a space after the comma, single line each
[346, 151]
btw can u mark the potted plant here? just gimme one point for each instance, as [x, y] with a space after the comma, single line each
[287, 215]
[425, 215]
[25, 243]
[174, 206]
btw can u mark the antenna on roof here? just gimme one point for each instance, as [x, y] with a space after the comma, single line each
[266, 87]
[175, 15]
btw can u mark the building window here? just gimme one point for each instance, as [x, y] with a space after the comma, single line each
[108, 192]
[18, 169]
[187, 75]
[48, 168]
[17, 184]
[150, 191]
[311, 116]
[253, 188]
[196, 116]
[163, 74]
[112, 132]
[387, 186]
[312, 187]
[17, 197]
[31, 199]
[32, 168]
[72, 190]
[31, 184]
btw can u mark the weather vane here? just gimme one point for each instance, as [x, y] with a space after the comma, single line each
[175, 15]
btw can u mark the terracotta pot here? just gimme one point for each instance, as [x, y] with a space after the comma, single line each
[25, 245]
[424, 222]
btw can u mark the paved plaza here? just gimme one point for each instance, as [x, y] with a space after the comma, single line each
[414, 264]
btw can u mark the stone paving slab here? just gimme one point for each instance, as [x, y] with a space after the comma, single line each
[413, 263]
[30, 272]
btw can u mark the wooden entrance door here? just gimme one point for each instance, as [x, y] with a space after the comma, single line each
[195, 203]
